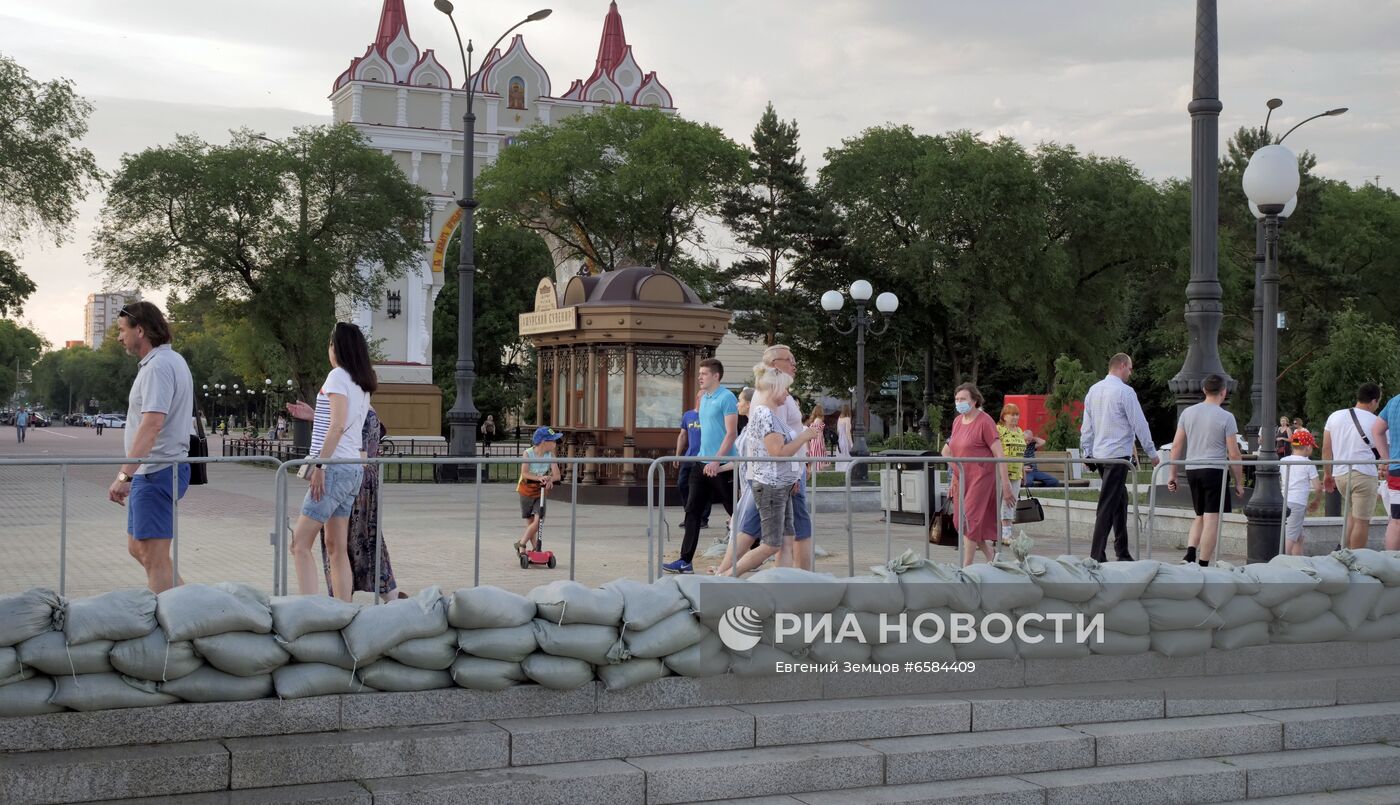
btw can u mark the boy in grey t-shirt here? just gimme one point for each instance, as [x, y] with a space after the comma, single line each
[1205, 439]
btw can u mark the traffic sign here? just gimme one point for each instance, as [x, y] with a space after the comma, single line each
[905, 378]
[890, 384]
[889, 392]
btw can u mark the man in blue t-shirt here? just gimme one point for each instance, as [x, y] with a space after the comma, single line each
[21, 422]
[1385, 435]
[719, 427]
[688, 444]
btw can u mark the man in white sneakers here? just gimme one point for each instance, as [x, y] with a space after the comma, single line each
[1347, 437]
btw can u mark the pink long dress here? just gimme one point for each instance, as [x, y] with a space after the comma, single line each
[979, 522]
[817, 447]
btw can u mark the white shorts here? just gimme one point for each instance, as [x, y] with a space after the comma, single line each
[1294, 526]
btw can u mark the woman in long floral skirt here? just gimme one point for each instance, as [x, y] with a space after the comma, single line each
[364, 524]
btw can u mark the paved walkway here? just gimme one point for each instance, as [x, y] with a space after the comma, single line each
[429, 529]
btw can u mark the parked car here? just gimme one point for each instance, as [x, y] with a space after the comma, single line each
[38, 420]
[110, 420]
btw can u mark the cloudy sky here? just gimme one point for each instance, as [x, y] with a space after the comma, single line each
[1108, 76]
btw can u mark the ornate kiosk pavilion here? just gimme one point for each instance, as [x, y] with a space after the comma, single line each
[618, 355]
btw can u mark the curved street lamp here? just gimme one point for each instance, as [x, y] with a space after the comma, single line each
[463, 417]
[1270, 182]
[861, 323]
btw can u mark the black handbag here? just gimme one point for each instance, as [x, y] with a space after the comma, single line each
[199, 448]
[944, 528]
[1028, 509]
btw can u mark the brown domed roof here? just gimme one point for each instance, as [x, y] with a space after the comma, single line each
[634, 284]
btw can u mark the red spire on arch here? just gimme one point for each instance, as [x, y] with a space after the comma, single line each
[391, 18]
[613, 46]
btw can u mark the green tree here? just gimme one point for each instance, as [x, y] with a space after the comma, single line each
[19, 350]
[510, 263]
[619, 186]
[771, 213]
[1358, 350]
[273, 235]
[1072, 382]
[43, 172]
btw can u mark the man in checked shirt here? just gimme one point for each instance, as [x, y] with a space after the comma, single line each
[1112, 420]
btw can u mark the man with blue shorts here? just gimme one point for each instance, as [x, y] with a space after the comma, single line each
[780, 357]
[158, 424]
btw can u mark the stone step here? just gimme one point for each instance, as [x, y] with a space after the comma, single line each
[1304, 771]
[81, 775]
[1059, 705]
[355, 755]
[787, 723]
[1180, 781]
[1244, 693]
[319, 794]
[1166, 739]
[594, 782]
[1343, 725]
[1379, 795]
[759, 772]
[960, 756]
[603, 736]
[984, 791]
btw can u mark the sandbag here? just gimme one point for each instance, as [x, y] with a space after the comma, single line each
[1387, 603]
[565, 602]
[242, 653]
[800, 591]
[645, 605]
[1250, 634]
[1181, 642]
[869, 623]
[1002, 587]
[21, 675]
[1384, 566]
[1245, 584]
[488, 608]
[1302, 608]
[1279, 583]
[155, 659]
[839, 651]
[559, 673]
[762, 661]
[207, 684]
[982, 649]
[914, 650]
[591, 642]
[510, 644]
[9, 663]
[938, 584]
[106, 692]
[795, 643]
[679, 631]
[1047, 607]
[297, 615]
[1387, 628]
[1048, 648]
[377, 629]
[395, 676]
[1168, 614]
[47, 654]
[1330, 573]
[1062, 580]
[631, 673]
[1217, 586]
[479, 673]
[324, 648]
[434, 653]
[299, 680]
[118, 615]
[706, 658]
[1243, 609]
[201, 610]
[28, 614]
[1130, 617]
[29, 697]
[1324, 628]
[874, 594]
[1118, 581]
[1175, 582]
[1118, 644]
[1355, 603]
[712, 596]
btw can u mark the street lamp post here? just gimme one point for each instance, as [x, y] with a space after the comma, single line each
[1270, 181]
[463, 417]
[861, 323]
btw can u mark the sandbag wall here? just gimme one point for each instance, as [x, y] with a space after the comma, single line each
[230, 642]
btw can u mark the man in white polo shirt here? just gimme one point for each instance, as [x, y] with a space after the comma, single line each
[1347, 437]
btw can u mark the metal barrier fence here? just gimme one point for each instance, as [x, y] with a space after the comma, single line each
[1285, 469]
[65, 463]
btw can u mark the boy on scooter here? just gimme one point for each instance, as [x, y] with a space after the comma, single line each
[536, 474]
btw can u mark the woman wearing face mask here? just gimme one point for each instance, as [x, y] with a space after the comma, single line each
[975, 436]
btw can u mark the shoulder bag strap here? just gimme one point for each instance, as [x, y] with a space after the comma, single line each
[1362, 431]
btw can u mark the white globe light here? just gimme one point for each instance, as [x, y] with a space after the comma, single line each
[887, 303]
[267, 381]
[832, 301]
[1287, 209]
[861, 291]
[1271, 176]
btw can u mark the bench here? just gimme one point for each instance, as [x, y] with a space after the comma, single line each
[1051, 462]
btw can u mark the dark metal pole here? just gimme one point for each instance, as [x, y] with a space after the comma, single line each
[463, 417]
[858, 446]
[1203, 308]
[1265, 509]
[1256, 426]
[926, 427]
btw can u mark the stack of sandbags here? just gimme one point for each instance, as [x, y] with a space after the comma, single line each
[933, 591]
[1127, 628]
[1376, 576]
[1066, 586]
[24, 617]
[656, 623]
[738, 607]
[494, 634]
[577, 628]
[414, 628]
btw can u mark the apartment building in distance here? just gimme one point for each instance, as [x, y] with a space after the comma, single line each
[100, 313]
